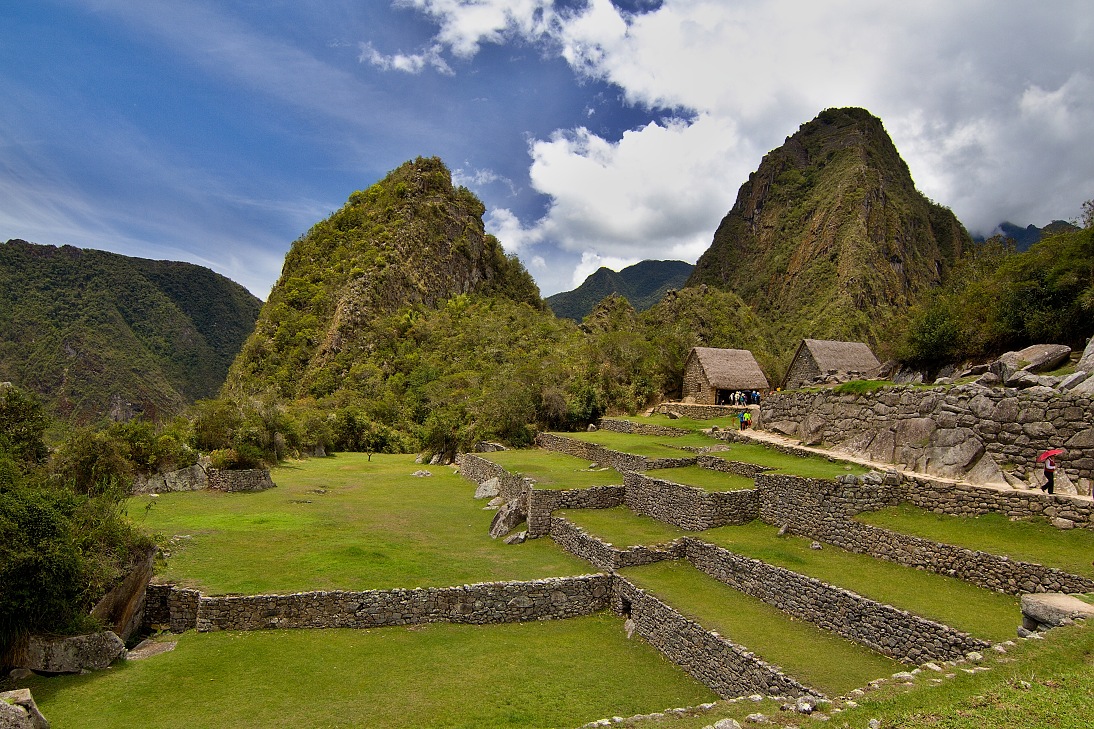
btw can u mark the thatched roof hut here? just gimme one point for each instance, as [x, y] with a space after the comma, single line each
[817, 358]
[710, 373]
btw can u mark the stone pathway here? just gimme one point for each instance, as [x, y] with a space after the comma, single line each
[148, 648]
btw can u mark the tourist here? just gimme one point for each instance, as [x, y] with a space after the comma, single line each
[1050, 474]
[742, 416]
[748, 419]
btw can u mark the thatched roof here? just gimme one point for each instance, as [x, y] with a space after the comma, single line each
[730, 369]
[841, 356]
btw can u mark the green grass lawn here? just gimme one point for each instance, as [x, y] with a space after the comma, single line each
[704, 478]
[560, 673]
[1032, 540]
[979, 612]
[342, 523]
[554, 470]
[653, 446]
[622, 527]
[682, 423]
[815, 657]
[805, 466]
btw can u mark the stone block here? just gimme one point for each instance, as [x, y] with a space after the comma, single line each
[1053, 609]
[19, 711]
[73, 654]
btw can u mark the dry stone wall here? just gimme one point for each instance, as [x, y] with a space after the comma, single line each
[253, 479]
[627, 426]
[541, 502]
[728, 669]
[193, 478]
[881, 627]
[480, 604]
[707, 412]
[605, 456]
[171, 607]
[688, 507]
[714, 463]
[478, 469]
[944, 430]
[605, 556]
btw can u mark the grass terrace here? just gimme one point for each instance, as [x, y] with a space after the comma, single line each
[436, 675]
[621, 527]
[683, 423]
[804, 466]
[815, 657]
[1033, 540]
[554, 470]
[342, 523]
[704, 478]
[979, 612]
[652, 446]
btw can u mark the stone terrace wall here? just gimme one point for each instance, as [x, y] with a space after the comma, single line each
[902, 424]
[478, 469]
[629, 426]
[707, 412]
[688, 507]
[728, 669]
[714, 463]
[480, 604]
[193, 478]
[881, 627]
[254, 479]
[580, 543]
[967, 500]
[170, 606]
[541, 502]
[823, 509]
[605, 456]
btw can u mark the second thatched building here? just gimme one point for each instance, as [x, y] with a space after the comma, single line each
[712, 375]
[819, 359]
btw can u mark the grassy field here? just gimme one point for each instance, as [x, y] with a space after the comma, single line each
[683, 423]
[982, 613]
[653, 446]
[554, 470]
[704, 478]
[545, 674]
[815, 657]
[342, 523]
[622, 527]
[1032, 540]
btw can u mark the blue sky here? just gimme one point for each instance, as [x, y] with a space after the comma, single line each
[597, 133]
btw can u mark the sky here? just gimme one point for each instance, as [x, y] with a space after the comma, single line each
[596, 132]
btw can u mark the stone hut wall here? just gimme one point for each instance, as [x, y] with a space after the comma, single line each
[695, 384]
[688, 507]
[627, 426]
[727, 668]
[253, 479]
[802, 369]
[541, 502]
[580, 543]
[480, 604]
[907, 425]
[881, 627]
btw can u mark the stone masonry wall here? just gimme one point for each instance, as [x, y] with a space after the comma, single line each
[541, 502]
[695, 383]
[881, 627]
[714, 463]
[921, 427]
[726, 668]
[483, 603]
[193, 478]
[254, 479]
[688, 507]
[170, 606]
[605, 456]
[478, 469]
[605, 556]
[707, 412]
[628, 426]
[823, 509]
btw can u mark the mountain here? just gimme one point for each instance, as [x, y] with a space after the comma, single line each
[642, 284]
[98, 333]
[1025, 237]
[829, 238]
[408, 244]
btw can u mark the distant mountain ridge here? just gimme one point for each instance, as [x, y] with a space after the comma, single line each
[1025, 237]
[643, 285]
[828, 238]
[98, 333]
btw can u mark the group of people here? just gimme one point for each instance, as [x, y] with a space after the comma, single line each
[742, 397]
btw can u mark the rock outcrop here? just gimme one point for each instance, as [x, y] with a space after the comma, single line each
[71, 655]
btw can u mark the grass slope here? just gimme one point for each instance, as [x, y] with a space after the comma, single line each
[375, 526]
[543, 674]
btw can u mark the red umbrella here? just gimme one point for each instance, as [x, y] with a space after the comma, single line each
[1049, 454]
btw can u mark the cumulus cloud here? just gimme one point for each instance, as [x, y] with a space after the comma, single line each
[989, 104]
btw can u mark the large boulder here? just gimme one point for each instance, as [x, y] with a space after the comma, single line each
[1086, 362]
[1052, 609]
[122, 609]
[488, 489]
[1085, 388]
[507, 519]
[71, 655]
[1073, 380]
[1036, 358]
[18, 711]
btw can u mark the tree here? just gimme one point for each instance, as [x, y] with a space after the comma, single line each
[22, 425]
[1088, 214]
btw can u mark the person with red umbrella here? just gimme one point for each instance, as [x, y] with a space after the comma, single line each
[1048, 457]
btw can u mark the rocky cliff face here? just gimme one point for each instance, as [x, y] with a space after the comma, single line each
[411, 239]
[829, 237]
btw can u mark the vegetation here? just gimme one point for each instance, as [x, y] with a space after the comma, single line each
[815, 657]
[998, 300]
[643, 285]
[1031, 540]
[425, 676]
[76, 325]
[342, 523]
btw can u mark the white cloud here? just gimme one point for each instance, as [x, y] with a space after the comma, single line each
[593, 262]
[412, 63]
